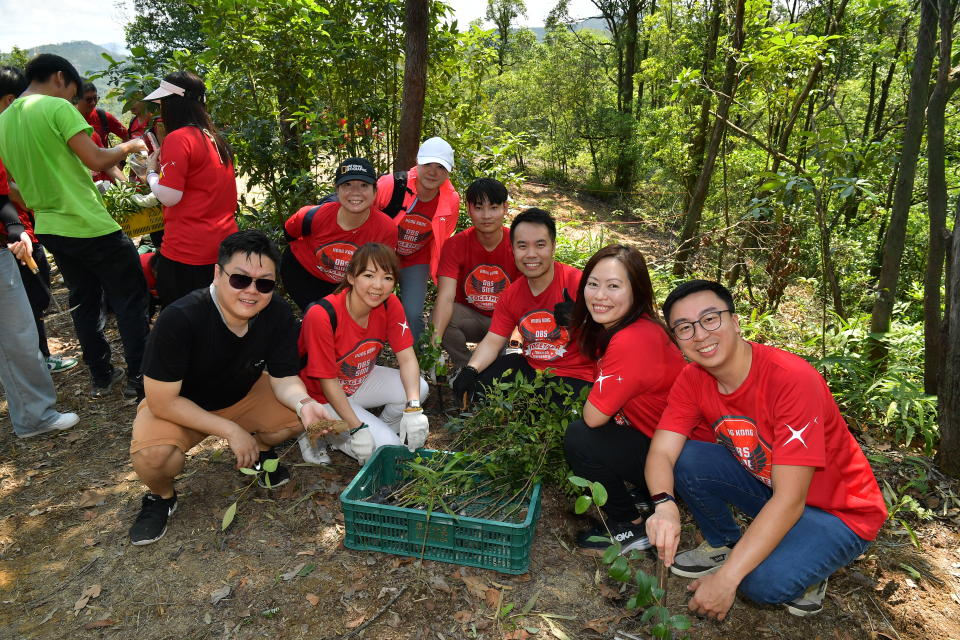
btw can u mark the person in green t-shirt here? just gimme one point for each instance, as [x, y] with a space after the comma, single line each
[46, 144]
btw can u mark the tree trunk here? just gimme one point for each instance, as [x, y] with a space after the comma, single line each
[623, 173]
[948, 409]
[416, 24]
[694, 213]
[896, 236]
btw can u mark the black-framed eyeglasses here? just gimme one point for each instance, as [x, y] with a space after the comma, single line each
[241, 281]
[710, 321]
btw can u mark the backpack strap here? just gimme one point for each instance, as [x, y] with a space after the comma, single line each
[104, 125]
[331, 312]
[308, 221]
[400, 191]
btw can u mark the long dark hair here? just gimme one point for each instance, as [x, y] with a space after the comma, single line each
[591, 336]
[188, 111]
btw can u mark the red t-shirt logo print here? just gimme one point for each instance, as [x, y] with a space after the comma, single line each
[413, 233]
[543, 339]
[740, 436]
[357, 365]
[484, 284]
[333, 258]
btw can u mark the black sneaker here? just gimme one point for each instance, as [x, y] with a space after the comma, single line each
[810, 603]
[133, 388]
[630, 536]
[101, 388]
[151, 523]
[642, 501]
[271, 479]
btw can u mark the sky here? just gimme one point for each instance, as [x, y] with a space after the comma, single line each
[30, 24]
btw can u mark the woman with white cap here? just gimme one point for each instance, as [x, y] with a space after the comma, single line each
[195, 184]
[427, 218]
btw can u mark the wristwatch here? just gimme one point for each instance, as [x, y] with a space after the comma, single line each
[413, 405]
[300, 404]
[662, 497]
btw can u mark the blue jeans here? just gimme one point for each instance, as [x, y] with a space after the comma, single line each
[709, 479]
[26, 381]
[413, 291]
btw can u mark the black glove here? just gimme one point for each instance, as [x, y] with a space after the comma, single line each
[464, 385]
[563, 311]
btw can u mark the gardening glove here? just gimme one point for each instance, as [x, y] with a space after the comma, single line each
[361, 443]
[312, 453]
[464, 385]
[414, 428]
[563, 311]
[147, 201]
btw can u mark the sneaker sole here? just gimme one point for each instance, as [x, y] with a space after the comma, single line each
[273, 485]
[800, 611]
[140, 543]
[693, 573]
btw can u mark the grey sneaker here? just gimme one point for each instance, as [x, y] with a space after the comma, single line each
[101, 388]
[700, 561]
[63, 422]
[810, 603]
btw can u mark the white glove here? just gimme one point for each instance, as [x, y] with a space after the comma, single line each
[414, 428]
[147, 201]
[361, 443]
[312, 454]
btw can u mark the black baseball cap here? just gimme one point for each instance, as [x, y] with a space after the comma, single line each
[355, 169]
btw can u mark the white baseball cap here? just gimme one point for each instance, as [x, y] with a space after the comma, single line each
[436, 150]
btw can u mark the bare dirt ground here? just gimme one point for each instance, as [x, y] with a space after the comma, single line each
[67, 569]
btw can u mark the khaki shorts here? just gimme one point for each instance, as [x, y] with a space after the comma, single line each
[258, 412]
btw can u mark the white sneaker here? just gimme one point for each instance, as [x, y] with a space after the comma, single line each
[62, 423]
[313, 454]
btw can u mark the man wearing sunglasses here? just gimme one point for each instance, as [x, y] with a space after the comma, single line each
[783, 456]
[220, 361]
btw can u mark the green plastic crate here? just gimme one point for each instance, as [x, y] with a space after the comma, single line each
[474, 542]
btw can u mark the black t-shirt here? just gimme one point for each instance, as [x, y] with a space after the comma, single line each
[191, 343]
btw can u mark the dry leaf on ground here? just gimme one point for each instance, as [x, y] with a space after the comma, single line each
[220, 594]
[312, 598]
[463, 616]
[476, 586]
[90, 498]
[353, 624]
[492, 598]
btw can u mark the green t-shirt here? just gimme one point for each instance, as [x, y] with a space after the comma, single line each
[53, 181]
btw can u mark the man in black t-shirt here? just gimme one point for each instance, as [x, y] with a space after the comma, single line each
[220, 361]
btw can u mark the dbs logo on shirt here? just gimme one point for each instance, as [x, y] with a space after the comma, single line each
[357, 365]
[542, 338]
[740, 436]
[333, 258]
[413, 232]
[484, 285]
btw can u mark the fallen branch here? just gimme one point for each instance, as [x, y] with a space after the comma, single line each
[366, 624]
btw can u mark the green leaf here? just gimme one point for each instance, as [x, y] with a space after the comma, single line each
[270, 465]
[306, 570]
[913, 572]
[680, 622]
[611, 554]
[228, 516]
[582, 504]
[648, 614]
[620, 570]
[599, 493]
[598, 539]
[578, 481]
[249, 472]
[661, 630]
[506, 609]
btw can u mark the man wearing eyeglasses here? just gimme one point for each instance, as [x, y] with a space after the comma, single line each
[783, 456]
[220, 361]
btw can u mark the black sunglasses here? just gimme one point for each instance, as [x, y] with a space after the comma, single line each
[240, 282]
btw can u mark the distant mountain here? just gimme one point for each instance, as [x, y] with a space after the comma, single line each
[596, 24]
[84, 55]
[116, 48]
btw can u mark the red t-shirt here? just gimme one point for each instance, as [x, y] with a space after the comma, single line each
[139, 127]
[784, 414]
[148, 272]
[326, 252]
[195, 226]
[26, 218]
[545, 345]
[351, 353]
[113, 126]
[634, 377]
[415, 233]
[482, 276]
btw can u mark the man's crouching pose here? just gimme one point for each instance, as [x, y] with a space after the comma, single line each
[221, 361]
[783, 457]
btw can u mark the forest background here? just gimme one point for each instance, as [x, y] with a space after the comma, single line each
[798, 151]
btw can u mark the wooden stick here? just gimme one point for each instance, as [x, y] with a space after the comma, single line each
[366, 624]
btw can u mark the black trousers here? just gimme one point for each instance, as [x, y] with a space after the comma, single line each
[176, 279]
[93, 268]
[612, 455]
[37, 295]
[303, 287]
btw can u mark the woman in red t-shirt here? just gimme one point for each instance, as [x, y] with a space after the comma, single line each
[196, 185]
[341, 337]
[324, 237]
[615, 323]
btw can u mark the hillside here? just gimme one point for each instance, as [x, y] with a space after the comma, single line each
[84, 55]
